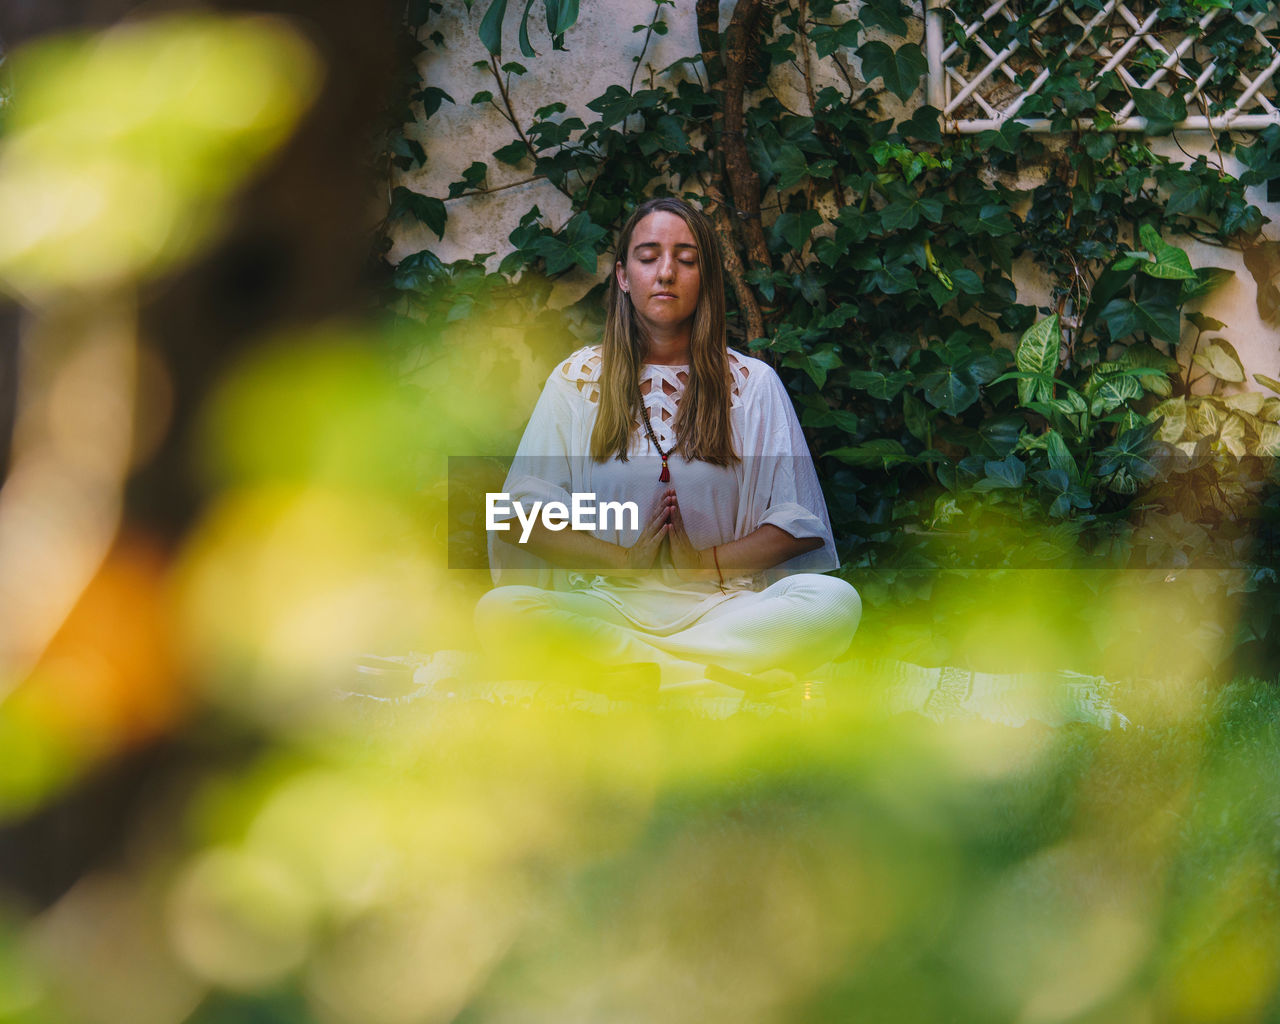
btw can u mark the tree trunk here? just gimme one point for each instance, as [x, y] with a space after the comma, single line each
[744, 183]
[736, 220]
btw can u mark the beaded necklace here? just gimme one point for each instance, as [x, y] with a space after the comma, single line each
[665, 475]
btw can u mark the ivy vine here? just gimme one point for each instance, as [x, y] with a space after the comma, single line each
[871, 257]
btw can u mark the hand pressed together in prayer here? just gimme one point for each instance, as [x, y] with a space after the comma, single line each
[667, 525]
[689, 562]
[644, 551]
[585, 552]
[761, 549]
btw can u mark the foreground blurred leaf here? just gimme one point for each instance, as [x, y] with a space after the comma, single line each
[121, 144]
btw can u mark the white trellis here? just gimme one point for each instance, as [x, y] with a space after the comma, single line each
[978, 86]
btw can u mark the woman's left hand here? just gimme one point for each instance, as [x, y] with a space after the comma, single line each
[687, 560]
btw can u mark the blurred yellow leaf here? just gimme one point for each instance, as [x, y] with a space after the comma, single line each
[121, 144]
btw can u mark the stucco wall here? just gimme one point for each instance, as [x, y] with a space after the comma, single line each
[600, 51]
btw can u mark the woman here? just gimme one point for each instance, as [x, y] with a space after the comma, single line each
[717, 578]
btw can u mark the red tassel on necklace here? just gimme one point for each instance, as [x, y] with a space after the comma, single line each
[665, 475]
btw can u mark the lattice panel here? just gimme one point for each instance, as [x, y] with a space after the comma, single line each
[981, 76]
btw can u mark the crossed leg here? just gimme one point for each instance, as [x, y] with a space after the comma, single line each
[795, 624]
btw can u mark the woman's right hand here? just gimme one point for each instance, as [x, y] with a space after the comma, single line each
[644, 551]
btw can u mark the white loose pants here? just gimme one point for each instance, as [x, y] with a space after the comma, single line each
[796, 624]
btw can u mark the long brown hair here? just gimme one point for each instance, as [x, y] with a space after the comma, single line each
[702, 425]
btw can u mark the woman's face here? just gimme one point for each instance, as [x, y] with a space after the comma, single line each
[661, 273]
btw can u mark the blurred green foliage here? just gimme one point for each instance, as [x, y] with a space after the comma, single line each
[166, 116]
[455, 861]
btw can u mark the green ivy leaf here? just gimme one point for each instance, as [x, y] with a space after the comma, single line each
[1000, 435]
[1099, 145]
[428, 209]
[888, 280]
[671, 132]
[512, 153]
[1124, 317]
[795, 228]
[613, 105]
[472, 178]
[431, 98]
[949, 390]
[1162, 112]
[838, 317]
[418, 270]
[1129, 454]
[1205, 323]
[901, 69]
[855, 225]
[1037, 353]
[1004, 139]
[816, 364]
[1067, 492]
[790, 166]
[1268, 382]
[916, 417]
[1208, 280]
[993, 219]
[1188, 200]
[1004, 474]
[576, 244]
[827, 39]
[883, 451]
[878, 385]
[967, 281]
[904, 213]
[923, 124]
[815, 412]
[885, 14]
[407, 153]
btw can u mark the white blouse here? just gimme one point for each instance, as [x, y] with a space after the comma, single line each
[773, 483]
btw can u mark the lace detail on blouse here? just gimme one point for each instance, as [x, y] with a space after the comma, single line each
[662, 388]
[583, 370]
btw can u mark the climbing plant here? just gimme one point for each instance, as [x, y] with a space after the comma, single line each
[957, 423]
